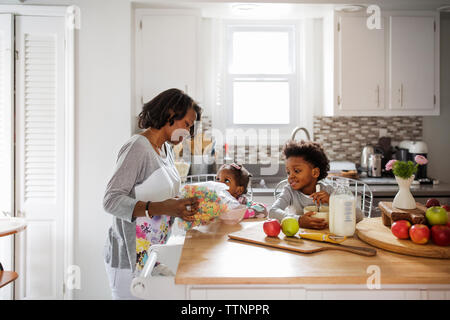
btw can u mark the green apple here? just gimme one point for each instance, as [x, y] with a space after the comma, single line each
[436, 215]
[289, 226]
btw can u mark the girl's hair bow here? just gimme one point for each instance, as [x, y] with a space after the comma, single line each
[236, 166]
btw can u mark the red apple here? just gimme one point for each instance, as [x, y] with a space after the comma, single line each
[272, 227]
[432, 203]
[440, 235]
[400, 229]
[447, 208]
[419, 233]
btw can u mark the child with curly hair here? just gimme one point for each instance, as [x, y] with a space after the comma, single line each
[306, 165]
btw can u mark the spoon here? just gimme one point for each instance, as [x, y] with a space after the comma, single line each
[318, 202]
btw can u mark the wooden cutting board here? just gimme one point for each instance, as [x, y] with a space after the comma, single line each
[373, 232]
[255, 234]
[390, 213]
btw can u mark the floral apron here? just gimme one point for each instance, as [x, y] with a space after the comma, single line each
[161, 185]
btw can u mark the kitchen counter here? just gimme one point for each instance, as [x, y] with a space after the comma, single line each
[210, 258]
[421, 190]
[439, 190]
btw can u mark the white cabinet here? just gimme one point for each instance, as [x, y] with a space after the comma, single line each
[166, 52]
[389, 71]
[360, 66]
[317, 292]
[412, 76]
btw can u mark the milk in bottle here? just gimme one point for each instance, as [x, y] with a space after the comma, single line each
[342, 217]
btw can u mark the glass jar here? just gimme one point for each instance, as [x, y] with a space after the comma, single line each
[342, 216]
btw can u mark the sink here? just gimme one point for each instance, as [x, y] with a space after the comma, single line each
[259, 172]
[11, 225]
[268, 183]
[274, 171]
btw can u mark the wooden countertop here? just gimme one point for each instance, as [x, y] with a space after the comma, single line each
[209, 257]
[11, 225]
[7, 277]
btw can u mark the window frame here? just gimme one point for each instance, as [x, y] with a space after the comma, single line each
[290, 77]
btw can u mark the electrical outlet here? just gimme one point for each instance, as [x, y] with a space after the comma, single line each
[382, 133]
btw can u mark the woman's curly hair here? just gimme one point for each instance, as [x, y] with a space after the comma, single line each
[166, 107]
[311, 152]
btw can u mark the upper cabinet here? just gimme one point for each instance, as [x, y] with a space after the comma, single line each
[389, 71]
[166, 52]
[360, 63]
[412, 59]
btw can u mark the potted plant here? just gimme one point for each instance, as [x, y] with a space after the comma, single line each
[404, 175]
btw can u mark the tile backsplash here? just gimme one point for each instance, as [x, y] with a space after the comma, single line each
[344, 137]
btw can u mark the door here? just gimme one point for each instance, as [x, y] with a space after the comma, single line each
[361, 66]
[40, 159]
[6, 141]
[412, 63]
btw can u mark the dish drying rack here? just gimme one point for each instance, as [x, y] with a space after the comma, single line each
[362, 191]
[160, 287]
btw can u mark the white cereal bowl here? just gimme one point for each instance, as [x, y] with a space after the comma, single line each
[322, 214]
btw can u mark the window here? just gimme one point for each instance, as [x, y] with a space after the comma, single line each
[260, 74]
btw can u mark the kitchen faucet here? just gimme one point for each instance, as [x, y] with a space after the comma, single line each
[294, 132]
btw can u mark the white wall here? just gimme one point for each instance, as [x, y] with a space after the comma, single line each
[103, 125]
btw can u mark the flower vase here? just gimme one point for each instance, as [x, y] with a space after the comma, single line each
[404, 199]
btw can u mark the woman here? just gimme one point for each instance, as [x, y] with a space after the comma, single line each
[142, 193]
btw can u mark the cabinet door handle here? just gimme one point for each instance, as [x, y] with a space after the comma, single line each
[401, 95]
[378, 96]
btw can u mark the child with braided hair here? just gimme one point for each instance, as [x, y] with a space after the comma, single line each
[237, 178]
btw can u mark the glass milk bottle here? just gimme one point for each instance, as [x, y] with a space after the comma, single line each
[342, 217]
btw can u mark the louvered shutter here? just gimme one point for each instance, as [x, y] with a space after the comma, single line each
[40, 117]
[40, 154]
[6, 139]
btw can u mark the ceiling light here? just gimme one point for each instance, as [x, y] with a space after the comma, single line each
[244, 7]
[349, 8]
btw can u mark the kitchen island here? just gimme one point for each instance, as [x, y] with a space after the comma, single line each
[213, 267]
